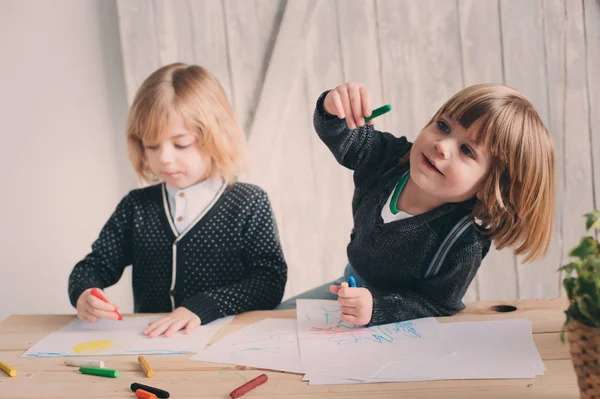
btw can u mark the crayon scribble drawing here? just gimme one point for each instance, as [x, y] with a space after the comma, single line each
[323, 335]
[93, 347]
[324, 320]
[269, 344]
[264, 341]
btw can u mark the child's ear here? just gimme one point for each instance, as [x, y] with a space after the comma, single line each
[479, 194]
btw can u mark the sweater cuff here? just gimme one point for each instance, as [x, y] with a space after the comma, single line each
[378, 315]
[321, 109]
[204, 306]
[75, 293]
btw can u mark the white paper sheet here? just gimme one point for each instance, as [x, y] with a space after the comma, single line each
[267, 344]
[485, 350]
[331, 348]
[125, 337]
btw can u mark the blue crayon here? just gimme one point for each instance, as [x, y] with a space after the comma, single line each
[351, 281]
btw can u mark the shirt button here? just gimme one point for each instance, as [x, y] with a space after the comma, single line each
[181, 195]
[180, 219]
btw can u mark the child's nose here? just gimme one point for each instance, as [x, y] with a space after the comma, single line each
[165, 155]
[442, 149]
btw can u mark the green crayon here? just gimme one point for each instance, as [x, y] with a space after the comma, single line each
[379, 111]
[101, 372]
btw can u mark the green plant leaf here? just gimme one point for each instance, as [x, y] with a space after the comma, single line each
[587, 247]
[582, 278]
[592, 220]
[588, 310]
[569, 284]
[571, 267]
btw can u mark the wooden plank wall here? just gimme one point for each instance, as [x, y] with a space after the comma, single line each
[274, 58]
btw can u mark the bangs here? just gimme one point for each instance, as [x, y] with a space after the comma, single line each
[149, 120]
[498, 110]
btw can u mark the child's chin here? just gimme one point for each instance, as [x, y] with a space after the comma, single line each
[177, 183]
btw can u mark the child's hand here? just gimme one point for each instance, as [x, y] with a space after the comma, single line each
[350, 101]
[356, 303]
[90, 308]
[179, 319]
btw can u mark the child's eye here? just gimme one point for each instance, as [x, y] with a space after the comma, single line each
[151, 147]
[443, 126]
[467, 151]
[182, 146]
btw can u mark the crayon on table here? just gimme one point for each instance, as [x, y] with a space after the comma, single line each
[146, 367]
[98, 364]
[158, 392]
[95, 292]
[141, 394]
[250, 385]
[99, 372]
[378, 112]
[8, 370]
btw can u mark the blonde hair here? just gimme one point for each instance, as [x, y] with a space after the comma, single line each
[195, 94]
[516, 208]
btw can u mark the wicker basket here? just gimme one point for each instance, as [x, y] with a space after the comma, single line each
[584, 344]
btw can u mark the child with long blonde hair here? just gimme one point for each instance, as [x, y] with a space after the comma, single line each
[201, 245]
[425, 213]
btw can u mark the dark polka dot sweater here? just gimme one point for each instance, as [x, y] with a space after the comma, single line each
[415, 267]
[227, 262]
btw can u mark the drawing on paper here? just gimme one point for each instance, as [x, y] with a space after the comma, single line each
[93, 347]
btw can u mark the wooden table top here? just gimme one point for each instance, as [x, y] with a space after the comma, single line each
[184, 378]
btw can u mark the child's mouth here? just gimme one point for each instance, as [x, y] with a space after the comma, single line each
[430, 165]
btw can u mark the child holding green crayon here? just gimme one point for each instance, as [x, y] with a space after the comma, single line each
[425, 213]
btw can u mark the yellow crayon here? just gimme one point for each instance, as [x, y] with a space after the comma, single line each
[8, 370]
[147, 369]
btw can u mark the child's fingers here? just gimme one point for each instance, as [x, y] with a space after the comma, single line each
[159, 329]
[152, 325]
[103, 314]
[349, 302]
[356, 104]
[337, 104]
[192, 325]
[334, 289]
[346, 318]
[343, 91]
[99, 304]
[349, 292]
[365, 101]
[175, 326]
[350, 311]
[87, 316]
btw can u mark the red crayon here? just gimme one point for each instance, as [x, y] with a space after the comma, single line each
[140, 393]
[250, 385]
[98, 295]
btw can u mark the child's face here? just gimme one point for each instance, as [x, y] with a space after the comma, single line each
[446, 163]
[176, 159]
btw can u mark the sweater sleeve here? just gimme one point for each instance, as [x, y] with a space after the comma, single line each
[365, 150]
[438, 295]
[111, 253]
[266, 271]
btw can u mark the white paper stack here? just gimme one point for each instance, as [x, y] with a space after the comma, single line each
[267, 344]
[328, 351]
